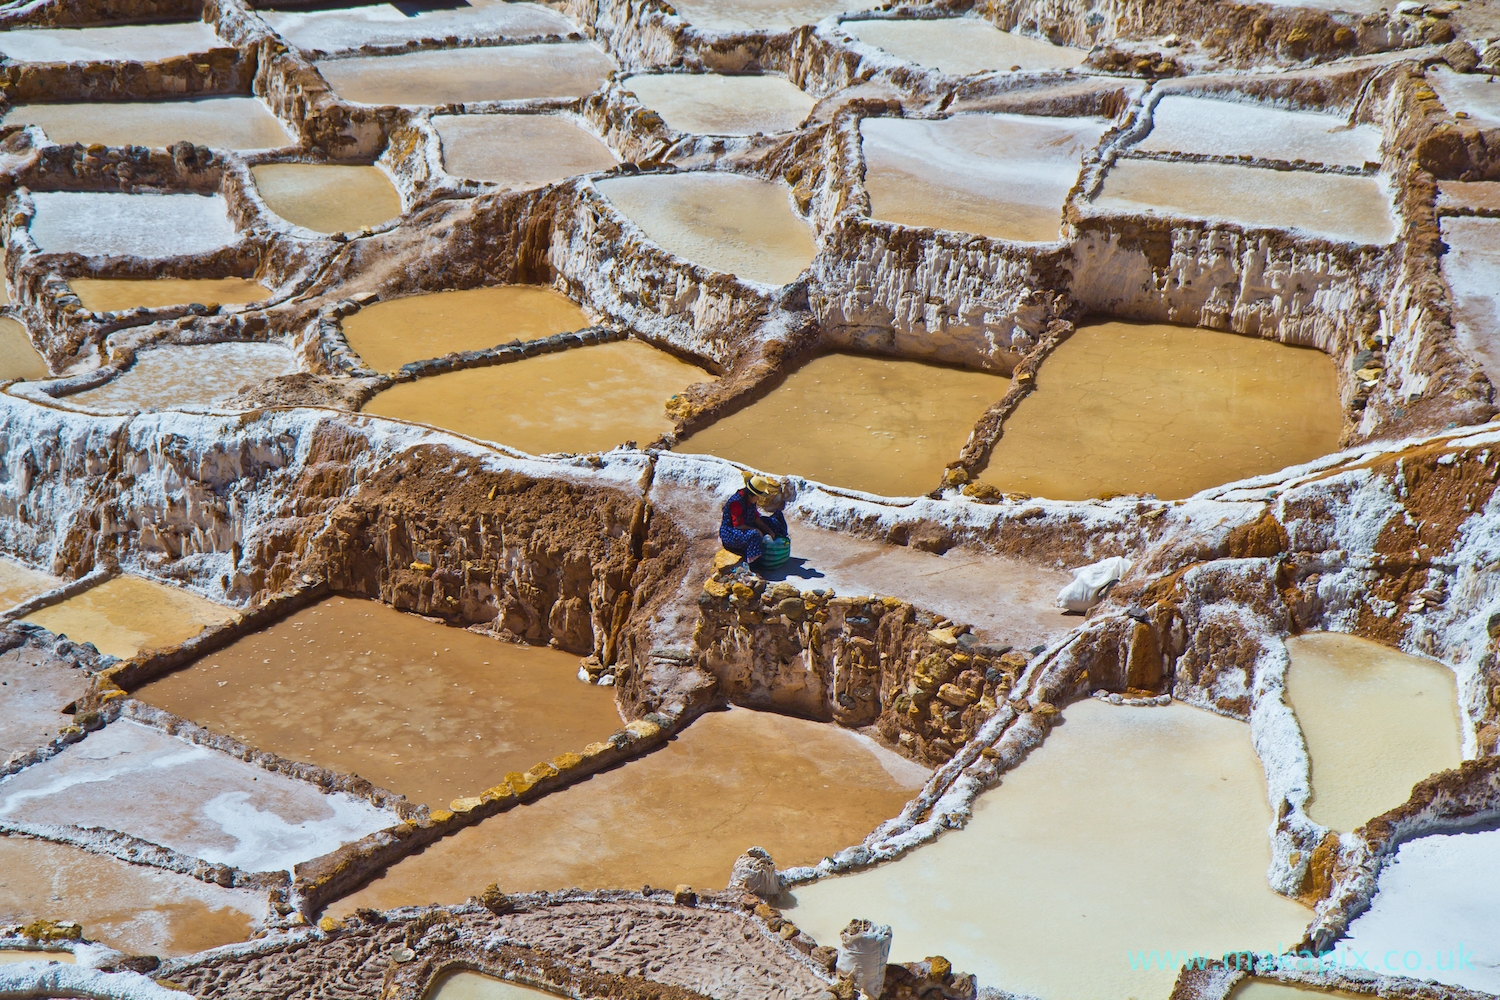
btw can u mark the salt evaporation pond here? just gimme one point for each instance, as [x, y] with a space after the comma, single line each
[581, 400]
[466, 985]
[106, 224]
[1332, 206]
[519, 151]
[217, 122]
[128, 615]
[962, 45]
[20, 583]
[346, 28]
[712, 104]
[1475, 94]
[18, 358]
[1005, 176]
[1208, 126]
[759, 15]
[883, 425]
[432, 712]
[1169, 410]
[1438, 893]
[1376, 722]
[1264, 989]
[327, 198]
[681, 814]
[176, 377]
[134, 908]
[742, 226]
[138, 42]
[116, 294]
[1469, 266]
[395, 332]
[205, 804]
[10, 956]
[1038, 893]
[462, 76]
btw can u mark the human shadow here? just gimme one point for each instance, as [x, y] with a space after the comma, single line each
[795, 566]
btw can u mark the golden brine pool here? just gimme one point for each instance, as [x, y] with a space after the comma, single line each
[115, 294]
[327, 198]
[127, 615]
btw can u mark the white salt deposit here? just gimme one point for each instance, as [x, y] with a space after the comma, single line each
[141, 42]
[468, 75]
[962, 45]
[1471, 267]
[1475, 94]
[196, 376]
[1230, 128]
[105, 224]
[754, 15]
[384, 24]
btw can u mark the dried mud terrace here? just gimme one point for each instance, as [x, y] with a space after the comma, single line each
[922, 620]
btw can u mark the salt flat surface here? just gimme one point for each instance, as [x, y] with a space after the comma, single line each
[1478, 196]
[384, 24]
[466, 985]
[216, 122]
[168, 377]
[711, 104]
[962, 45]
[106, 224]
[1437, 896]
[1333, 206]
[201, 802]
[754, 15]
[1351, 6]
[519, 151]
[1229, 128]
[32, 696]
[1471, 266]
[140, 42]
[1005, 176]
[1475, 94]
[494, 73]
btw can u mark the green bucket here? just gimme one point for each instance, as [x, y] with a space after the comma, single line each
[778, 551]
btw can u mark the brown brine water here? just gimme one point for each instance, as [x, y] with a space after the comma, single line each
[883, 425]
[327, 198]
[430, 711]
[20, 583]
[580, 400]
[18, 358]
[216, 122]
[12, 955]
[127, 615]
[395, 332]
[681, 814]
[460, 76]
[519, 151]
[115, 294]
[1169, 410]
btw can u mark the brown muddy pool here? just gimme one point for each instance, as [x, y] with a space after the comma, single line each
[216, 122]
[432, 712]
[680, 814]
[18, 358]
[519, 151]
[462, 76]
[711, 104]
[116, 294]
[327, 198]
[1169, 410]
[128, 614]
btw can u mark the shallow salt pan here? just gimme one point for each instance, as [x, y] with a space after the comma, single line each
[1005, 176]
[1229, 128]
[19, 583]
[11, 955]
[519, 151]
[114, 294]
[127, 614]
[737, 225]
[31, 694]
[495, 73]
[203, 803]
[327, 198]
[1332, 206]
[18, 358]
[199, 376]
[756, 15]
[1475, 94]
[963, 45]
[216, 122]
[141, 42]
[1261, 989]
[385, 24]
[465, 985]
[107, 224]
[1471, 266]
[711, 104]
[1039, 895]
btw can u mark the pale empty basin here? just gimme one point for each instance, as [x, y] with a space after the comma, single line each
[395, 332]
[1180, 779]
[34, 688]
[1434, 914]
[1005, 176]
[427, 710]
[128, 615]
[107, 224]
[386, 24]
[466, 985]
[1265, 989]
[758, 15]
[1376, 722]
[196, 377]
[581, 400]
[116, 294]
[883, 425]
[710, 104]
[138, 42]
[135, 908]
[18, 358]
[1169, 410]
[1332, 206]
[1475, 94]
[960, 46]
[216, 122]
[327, 198]
[204, 803]
[1229, 128]
[519, 151]
[499, 73]
[680, 814]
[1471, 266]
[738, 225]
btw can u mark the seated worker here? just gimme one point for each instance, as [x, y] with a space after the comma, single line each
[753, 518]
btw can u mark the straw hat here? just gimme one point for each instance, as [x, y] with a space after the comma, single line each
[762, 486]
